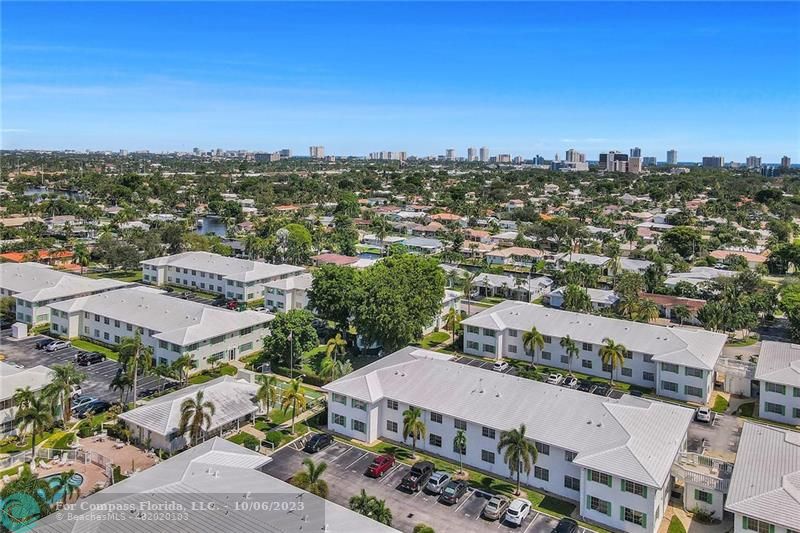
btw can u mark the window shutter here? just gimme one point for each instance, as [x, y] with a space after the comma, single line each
[622, 513]
[588, 502]
[697, 494]
[710, 498]
[644, 520]
[610, 480]
[771, 528]
[745, 523]
[644, 492]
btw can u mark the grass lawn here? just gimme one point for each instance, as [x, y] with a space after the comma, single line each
[738, 343]
[746, 409]
[60, 440]
[208, 375]
[433, 340]
[720, 404]
[676, 526]
[119, 275]
[83, 344]
[13, 446]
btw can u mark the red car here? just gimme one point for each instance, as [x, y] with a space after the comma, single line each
[380, 465]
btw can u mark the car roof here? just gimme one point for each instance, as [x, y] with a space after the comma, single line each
[519, 502]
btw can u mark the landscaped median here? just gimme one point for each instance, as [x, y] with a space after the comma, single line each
[477, 479]
[87, 346]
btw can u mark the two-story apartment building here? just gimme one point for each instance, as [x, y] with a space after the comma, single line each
[170, 326]
[778, 374]
[239, 279]
[611, 457]
[675, 362]
[289, 293]
[13, 378]
[764, 494]
[34, 286]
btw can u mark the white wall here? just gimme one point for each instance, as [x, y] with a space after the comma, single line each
[788, 400]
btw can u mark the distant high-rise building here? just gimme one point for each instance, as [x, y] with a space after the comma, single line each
[316, 152]
[504, 158]
[753, 162]
[484, 154]
[574, 156]
[672, 157]
[286, 153]
[786, 161]
[649, 161]
[614, 161]
[196, 151]
[635, 165]
[713, 161]
[218, 152]
[123, 153]
[401, 156]
[636, 152]
[471, 153]
[517, 160]
[538, 160]
[450, 154]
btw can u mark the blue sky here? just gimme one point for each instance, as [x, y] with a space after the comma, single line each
[522, 78]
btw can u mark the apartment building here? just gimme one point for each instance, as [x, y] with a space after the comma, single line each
[778, 374]
[288, 293]
[239, 279]
[170, 326]
[611, 457]
[676, 362]
[35, 286]
[13, 378]
[764, 493]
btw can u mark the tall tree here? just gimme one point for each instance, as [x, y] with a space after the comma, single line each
[613, 355]
[33, 418]
[571, 348]
[136, 358]
[533, 341]
[310, 478]
[267, 393]
[293, 398]
[195, 413]
[336, 293]
[519, 454]
[413, 426]
[66, 378]
[460, 444]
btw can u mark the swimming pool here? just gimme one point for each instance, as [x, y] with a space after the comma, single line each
[76, 480]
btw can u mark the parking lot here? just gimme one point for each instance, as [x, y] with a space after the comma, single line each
[719, 438]
[345, 477]
[98, 375]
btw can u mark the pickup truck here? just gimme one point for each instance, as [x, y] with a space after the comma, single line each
[417, 477]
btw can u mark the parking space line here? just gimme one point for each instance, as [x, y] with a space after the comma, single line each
[468, 495]
[347, 449]
[357, 460]
[389, 474]
[531, 522]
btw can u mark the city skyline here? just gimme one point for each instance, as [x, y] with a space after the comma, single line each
[534, 83]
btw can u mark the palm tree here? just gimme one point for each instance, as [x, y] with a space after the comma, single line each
[293, 397]
[24, 397]
[65, 379]
[381, 226]
[163, 371]
[195, 413]
[34, 417]
[36, 488]
[136, 358]
[452, 320]
[518, 453]
[121, 382]
[81, 256]
[310, 479]
[468, 280]
[335, 346]
[460, 444]
[613, 355]
[631, 233]
[267, 393]
[533, 340]
[413, 426]
[647, 310]
[571, 348]
[379, 512]
[332, 369]
[682, 313]
[360, 503]
[183, 365]
[67, 489]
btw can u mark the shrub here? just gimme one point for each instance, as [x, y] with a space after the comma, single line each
[275, 437]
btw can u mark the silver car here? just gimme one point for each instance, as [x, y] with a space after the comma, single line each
[437, 482]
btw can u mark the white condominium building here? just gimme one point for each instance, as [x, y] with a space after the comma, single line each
[34, 286]
[765, 487]
[675, 362]
[239, 279]
[611, 457]
[288, 293]
[170, 326]
[778, 373]
[13, 378]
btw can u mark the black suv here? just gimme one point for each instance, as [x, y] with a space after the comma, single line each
[418, 476]
[566, 525]
[89, 358]
[41, 344]
[317, 442]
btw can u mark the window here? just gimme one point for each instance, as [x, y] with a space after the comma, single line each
[797, 392]
[488, 348]
[547, 339]
[436, 417]
[459, 424]
[572, 483]
[693, 391]
[358, 404]
[634, 488]
[116, 339]
[775, 387]
[760, 526]
[627, 354]
[487, 432]
[585, 363]
[512, 333]
[472, 329]
[601, 506]
[648, 376]
[246, 347]
[435, 440]
[627, 372]
[541, 473]
[543, 448]
[669, 386]
[693, 372]
[703, 496]
[796, 412]
[129, 327]
[488, 332]
[635, 517]
[774, 408]
[340, 398]
[358, 425]
[472, 345]
[487, 456]
[339, 420]
[669, 367]
[546, 355]
[106, 320]
[570, 456]
[648, 358]
[599, 477]
[587, 346]
[116, 323]
[512, 348]
[392, 404]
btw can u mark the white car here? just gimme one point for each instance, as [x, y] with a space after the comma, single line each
[517, 511]
[500, 366]
[703, 414]
[571, 382]
[555, 379]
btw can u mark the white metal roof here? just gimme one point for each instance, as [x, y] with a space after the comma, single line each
[301, 282]
[232, 399]
[229, 267]
[597, 260]
[215, 471]
[766, 477]
[13, 378]
[35, 282]
[631, 437]
[695, 348]
[779, 362]
[175, 320]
